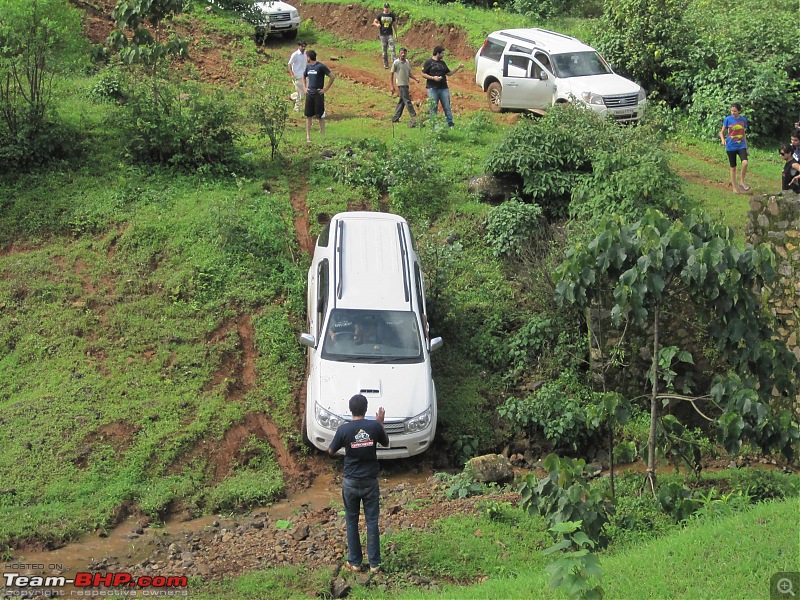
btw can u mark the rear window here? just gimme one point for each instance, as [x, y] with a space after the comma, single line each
[492, 49]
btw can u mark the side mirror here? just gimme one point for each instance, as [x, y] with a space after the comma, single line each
[306, 339]
[543, 76]
[436, 343]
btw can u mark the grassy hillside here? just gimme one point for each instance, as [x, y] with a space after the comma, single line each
[148, 360]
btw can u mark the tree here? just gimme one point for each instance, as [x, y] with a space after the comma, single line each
[40, 40]
[634, 271]
[142, 48]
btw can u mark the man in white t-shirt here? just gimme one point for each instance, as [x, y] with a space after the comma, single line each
[297, 67]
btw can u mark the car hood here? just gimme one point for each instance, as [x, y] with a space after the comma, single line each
[609, 84]
[274, 7]
[402, 390]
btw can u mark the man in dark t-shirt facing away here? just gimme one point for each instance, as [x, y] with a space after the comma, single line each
[360, 438]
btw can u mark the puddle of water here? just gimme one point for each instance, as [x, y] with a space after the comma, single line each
[123, 546]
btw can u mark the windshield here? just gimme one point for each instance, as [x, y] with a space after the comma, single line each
[372, 336]
[579, 64]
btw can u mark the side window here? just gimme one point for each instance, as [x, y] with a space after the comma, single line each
[322, 240]
[493, 49]
[517, 66]
[420, 286]
[322, 295]
[544, 59]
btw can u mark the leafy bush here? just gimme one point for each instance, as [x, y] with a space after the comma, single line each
[549, 156]
[510, 225]
[110, 86]
[566, 494]
[271, 112]
[41, 41]
[416, 180]
[762, 484]
[555, 411]
[188, 130]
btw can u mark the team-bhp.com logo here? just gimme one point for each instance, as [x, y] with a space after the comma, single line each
[90, 584]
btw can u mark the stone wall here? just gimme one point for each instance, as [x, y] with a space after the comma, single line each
[775, 220]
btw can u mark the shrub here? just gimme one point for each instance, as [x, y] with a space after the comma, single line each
[41, 41]
[187, 130]
[510, 225]
[549, 156]
[555, 411]
[416, 180]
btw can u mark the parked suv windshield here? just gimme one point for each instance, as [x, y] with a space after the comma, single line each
[372, 336]
[579, 64]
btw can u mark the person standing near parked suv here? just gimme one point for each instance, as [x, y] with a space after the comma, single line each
[435, 71]
[386, 30]
[315, 88]
[297, 68]
[733, 136]
[360, 438]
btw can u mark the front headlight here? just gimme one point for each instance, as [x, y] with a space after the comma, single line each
[642, 95]
[294, 14]
[419, 422]
[326, 419]
[592, 98]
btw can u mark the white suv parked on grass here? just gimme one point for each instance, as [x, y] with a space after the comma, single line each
[532, 69]
[275, 17]
[368, 333]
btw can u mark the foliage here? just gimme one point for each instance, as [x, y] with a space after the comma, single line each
[110, 86]
[416, 180]
[140, 17]
[556, 411]
[695, 56]
[632, 269]
[549, 156]
[576, 569]
[271, 112]
[761, 485]
[566, 494]
[573, 161]
[677, 501]
[648, 41]
[41, 43]
[462, 485]
[510, 225]
[180, 127]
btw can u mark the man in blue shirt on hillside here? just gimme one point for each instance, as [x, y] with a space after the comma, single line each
[733, 136]
[360, 438]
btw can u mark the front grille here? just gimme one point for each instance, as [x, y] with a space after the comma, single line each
[621, 101]
[395, 428]
[279, 17]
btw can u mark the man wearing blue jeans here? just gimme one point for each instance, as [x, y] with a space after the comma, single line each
[435, 71]
[360, 438]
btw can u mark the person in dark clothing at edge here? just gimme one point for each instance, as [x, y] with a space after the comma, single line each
[360, 438]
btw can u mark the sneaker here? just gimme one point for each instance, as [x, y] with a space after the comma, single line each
[412, 123]
[353, 568]
[375, 570]
[395, 120]
[744, 188]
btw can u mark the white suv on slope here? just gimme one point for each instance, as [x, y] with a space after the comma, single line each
[368, 333]
[274, 17]
[532, 69]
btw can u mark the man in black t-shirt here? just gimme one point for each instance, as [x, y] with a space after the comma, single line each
[360, 438]
[385, 23]
[315, 88]
[435, 72]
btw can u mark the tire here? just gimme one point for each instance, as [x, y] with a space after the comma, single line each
[494, 93]
[290, 35]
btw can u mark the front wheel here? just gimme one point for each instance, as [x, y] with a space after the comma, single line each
[495, 95]
[290, 35]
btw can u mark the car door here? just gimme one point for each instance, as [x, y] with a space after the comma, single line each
[525, 83]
